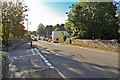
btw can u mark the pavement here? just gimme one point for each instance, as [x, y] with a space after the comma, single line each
[26, 62]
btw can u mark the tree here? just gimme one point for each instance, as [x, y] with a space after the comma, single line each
[56, 26]
[41, 30]
[63, 37]
[94, 20]
[48, 31]
[68, 26]
[12, 16]
[61, 26]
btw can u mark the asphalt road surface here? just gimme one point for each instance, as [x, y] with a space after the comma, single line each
[76, 62]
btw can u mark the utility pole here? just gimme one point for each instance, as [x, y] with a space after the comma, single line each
[27, 24]
[30, 36]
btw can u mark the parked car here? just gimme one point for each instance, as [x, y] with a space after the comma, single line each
[39, 38]
[35, 39]
[47, 39]
[43, 38]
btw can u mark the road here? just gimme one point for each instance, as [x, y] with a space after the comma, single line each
[76, 62]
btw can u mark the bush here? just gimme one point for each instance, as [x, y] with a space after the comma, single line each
[0, 55]
[63, 37]
[68, 41]
[5, 55]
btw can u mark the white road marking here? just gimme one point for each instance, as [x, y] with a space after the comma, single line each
[60, 73]
[33, 51]
[44, 59]
[37, 51]
[41, 56]
[21, 56]
[51, 67]
[48, 63]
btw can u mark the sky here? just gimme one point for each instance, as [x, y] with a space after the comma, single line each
[47, 12]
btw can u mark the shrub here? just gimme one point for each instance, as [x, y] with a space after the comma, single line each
[68, 41]
[63, 37]
[5, 55]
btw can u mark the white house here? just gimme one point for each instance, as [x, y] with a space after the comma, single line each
[56, 34]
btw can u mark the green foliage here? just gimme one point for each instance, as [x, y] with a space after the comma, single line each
[5, 55]
[69, 27]
[41, 30]
[1, 54]
[48, 31]
[63, 37]
[12, 16]
[68, 41]
[94, 20]
[59, 26]
[16, 37]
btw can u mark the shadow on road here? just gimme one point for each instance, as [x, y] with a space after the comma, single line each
[75, 69]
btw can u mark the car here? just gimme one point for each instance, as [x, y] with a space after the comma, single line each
[47, 39]
[43, 38]
[35, 39]
[39, 38]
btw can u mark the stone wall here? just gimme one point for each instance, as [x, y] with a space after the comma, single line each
[105, 44]
[12, 43]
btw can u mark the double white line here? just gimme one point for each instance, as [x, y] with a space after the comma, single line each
[43, 58]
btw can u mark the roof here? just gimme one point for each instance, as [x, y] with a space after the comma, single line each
[60, 29]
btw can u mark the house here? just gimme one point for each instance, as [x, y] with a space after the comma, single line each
[56, 34]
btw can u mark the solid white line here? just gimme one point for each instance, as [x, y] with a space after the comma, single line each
[33, 51]
[22, 56]
[60, 73]
[37, 51]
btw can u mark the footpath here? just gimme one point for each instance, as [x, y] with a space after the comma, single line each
[26, 62]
